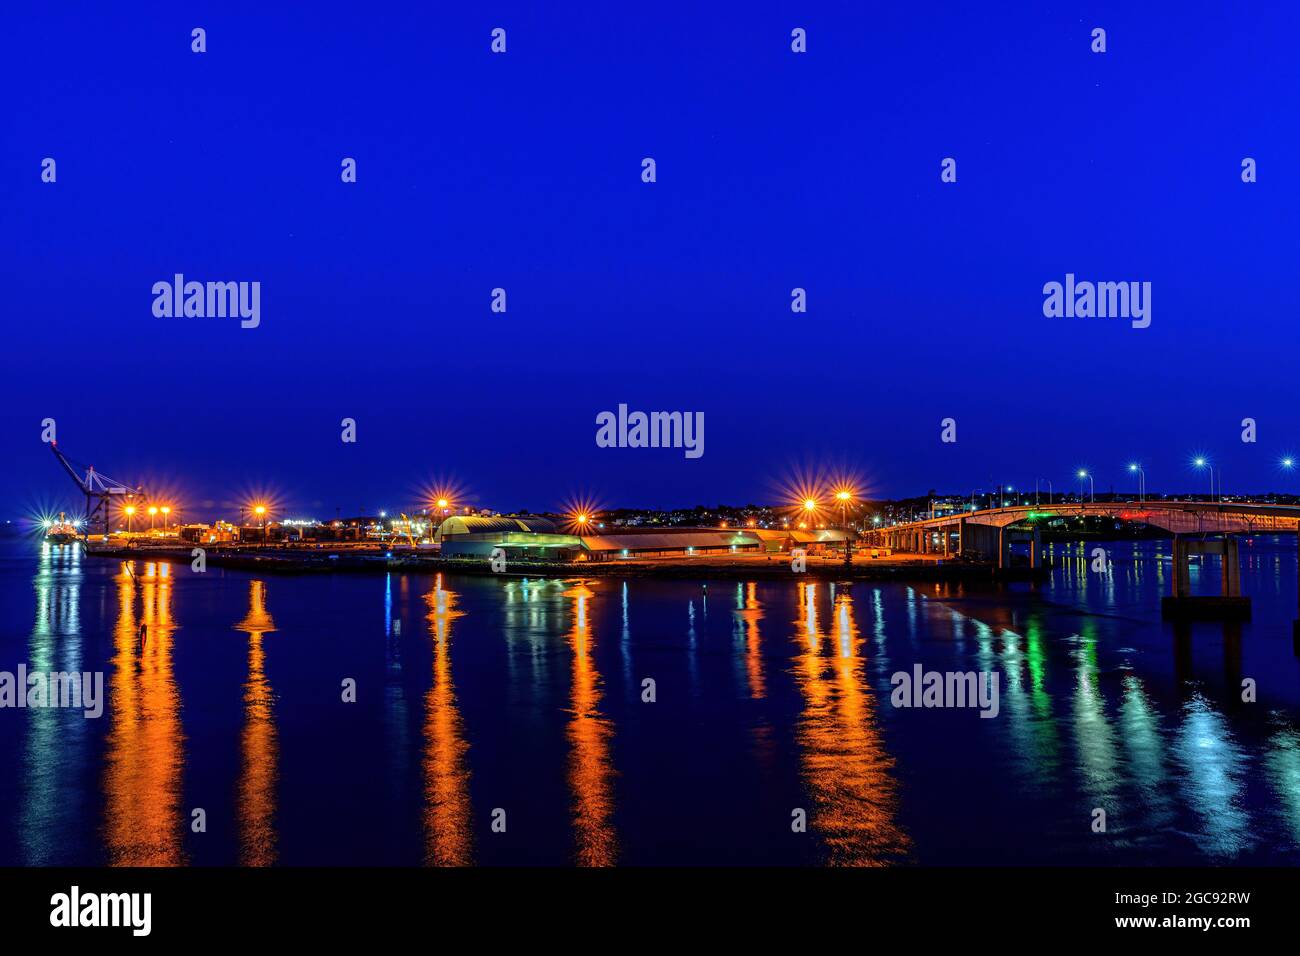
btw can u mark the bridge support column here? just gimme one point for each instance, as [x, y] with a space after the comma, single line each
[1181, 604]
[1004, 548]
[961, 545]
[1035, 546]
[1231, 568]
[1295, 625]
[1180, 570]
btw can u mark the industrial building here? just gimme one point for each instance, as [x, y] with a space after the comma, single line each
[528, 537]
[535, 538]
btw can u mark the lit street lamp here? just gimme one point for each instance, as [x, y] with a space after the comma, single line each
[1092, 486]
[130, 510]
[1142, 480]
[165, 512]
[844, 496]
[1202, 463]
[153, 510]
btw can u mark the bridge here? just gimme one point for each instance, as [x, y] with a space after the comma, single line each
[1198, 527]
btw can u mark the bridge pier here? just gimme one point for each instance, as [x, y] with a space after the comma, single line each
[1181, 604]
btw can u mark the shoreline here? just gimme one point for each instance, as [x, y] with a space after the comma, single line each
[295, 562]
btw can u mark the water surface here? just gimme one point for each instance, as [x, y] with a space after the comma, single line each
[488, 700]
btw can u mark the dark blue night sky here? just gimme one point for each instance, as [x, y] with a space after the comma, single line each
[522, 171]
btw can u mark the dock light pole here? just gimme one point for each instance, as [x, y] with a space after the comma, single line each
[166, 511]
[972, 497]
[130, 510]
[1092, 486]
[260, 511]
[1202, 463]
[844, 496]
[153, 511]
[1142, 480]
[1049, 490]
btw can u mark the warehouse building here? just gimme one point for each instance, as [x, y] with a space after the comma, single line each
[528, 537]
[534, 538]
[668, 543]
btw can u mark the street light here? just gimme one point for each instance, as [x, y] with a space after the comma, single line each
[1202, 463]
[153, 510]
[844, 496]
[1049, 490]
[972, 497]
[1092, 486]
[130, 510]
[1142, 480]
[166, 511]
[260, 511]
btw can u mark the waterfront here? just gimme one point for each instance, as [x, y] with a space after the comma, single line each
[479, 693]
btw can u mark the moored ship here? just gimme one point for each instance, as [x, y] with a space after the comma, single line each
[61, 531]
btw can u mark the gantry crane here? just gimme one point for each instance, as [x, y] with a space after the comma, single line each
[98, 488]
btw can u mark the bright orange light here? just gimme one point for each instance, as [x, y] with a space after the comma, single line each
[810, 504]
[445, 496]
[153, 510]
[843, 495]
[580, 515]
[129, 509]
[260, 509]
[166, 510]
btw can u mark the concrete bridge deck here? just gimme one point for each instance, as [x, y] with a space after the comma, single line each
[1198, 527]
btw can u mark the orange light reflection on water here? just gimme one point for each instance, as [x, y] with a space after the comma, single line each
[447, 810]
[259, 746]
[846, 767]
[144, 747]
[589, 733]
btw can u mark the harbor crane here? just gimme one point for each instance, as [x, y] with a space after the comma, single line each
[100, 490]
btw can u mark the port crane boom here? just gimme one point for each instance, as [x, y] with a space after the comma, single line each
[99, 489]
